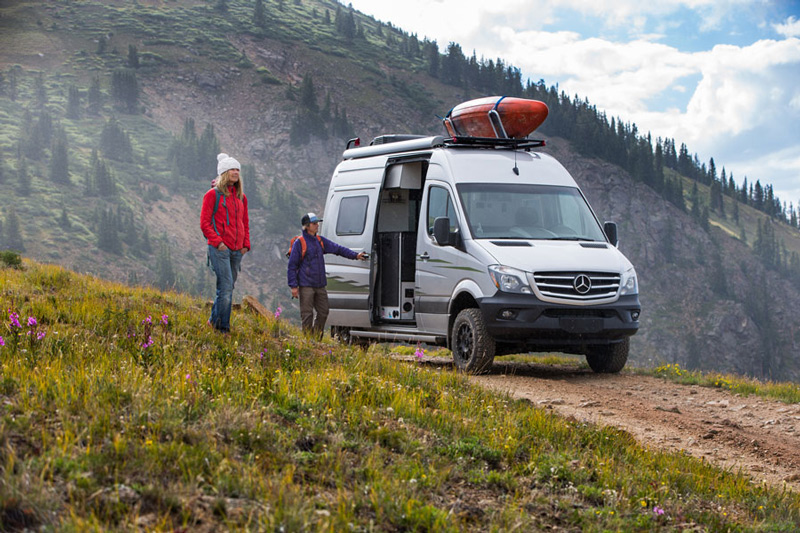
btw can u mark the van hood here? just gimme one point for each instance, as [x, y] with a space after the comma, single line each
[549, 256]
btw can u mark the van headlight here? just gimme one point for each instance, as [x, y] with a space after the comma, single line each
[509, 279]
[628, 283]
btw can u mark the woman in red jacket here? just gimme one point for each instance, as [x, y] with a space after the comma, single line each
[226, 225]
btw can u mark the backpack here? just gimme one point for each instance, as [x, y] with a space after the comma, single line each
[303, 246]
[214, 212]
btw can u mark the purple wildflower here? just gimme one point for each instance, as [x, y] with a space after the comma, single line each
[2, 342]
[14, 317]
[148, 320]
[148, 343]
[419, 353]
[658, 511]
[278, 312]
[188, 377]
[31, 321]
[165, 319]
[40, 335]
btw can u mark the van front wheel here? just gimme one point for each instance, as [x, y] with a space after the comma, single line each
[609, 358]
[472, 346]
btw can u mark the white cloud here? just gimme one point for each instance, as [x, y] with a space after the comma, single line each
[790, 28]
[740, 101]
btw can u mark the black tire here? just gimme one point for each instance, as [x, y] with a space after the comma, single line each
[608, 358]
[344, 336]
[472, 346]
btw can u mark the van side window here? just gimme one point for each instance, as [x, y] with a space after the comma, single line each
[440, 205]
[352, 216]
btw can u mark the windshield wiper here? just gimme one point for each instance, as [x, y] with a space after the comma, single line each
[587, 239]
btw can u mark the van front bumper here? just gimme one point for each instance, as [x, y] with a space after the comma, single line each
[522, 318]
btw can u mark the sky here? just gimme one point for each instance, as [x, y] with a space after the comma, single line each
[721, 76]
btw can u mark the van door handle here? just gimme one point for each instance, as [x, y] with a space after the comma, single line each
[425, 256]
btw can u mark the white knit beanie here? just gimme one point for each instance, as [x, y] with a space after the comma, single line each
[226, 162]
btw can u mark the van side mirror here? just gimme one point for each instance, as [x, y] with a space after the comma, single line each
[441, 231]
[610, 229]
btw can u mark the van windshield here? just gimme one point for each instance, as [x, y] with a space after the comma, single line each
[523, 211]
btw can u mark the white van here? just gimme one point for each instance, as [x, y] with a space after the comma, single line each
[480, 245]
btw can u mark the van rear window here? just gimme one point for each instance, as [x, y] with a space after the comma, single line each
[352, 216]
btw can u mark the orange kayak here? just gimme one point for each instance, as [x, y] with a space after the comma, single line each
[495, 117]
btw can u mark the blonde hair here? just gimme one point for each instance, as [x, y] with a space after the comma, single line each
[223, 181]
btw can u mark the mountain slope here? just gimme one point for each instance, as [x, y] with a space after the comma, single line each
[708, 301]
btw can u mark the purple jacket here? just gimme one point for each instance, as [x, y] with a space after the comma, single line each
[309, 271]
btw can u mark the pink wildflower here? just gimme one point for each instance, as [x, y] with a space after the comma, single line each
[419, 353]
[165, 319]
[2, 342]
[148, 343]
[40, 335]
[14, 317]
[658, 511]
[31, 321]
[278, 312]
[148, 320]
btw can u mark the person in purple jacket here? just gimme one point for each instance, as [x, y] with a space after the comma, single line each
[306, 273]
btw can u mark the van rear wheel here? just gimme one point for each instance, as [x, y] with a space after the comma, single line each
[472, 346]
[608, 358]
[344, 336]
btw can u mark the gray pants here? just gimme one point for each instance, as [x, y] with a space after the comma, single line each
[314, 299]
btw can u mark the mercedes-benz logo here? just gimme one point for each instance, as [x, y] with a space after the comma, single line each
[582, 284]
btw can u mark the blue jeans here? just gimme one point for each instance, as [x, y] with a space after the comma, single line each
[226, 264]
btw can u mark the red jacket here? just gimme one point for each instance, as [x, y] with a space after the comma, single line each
[233, 224]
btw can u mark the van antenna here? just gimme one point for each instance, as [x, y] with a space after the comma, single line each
[516, 168]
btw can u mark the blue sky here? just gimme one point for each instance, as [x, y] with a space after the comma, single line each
[722, 76]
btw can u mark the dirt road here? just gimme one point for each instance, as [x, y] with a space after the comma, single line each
[757, 436]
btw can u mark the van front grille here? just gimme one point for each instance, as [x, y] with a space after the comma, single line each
[583, 286]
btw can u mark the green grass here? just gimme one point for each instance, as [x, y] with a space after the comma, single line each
[265, 429]
[785, 392]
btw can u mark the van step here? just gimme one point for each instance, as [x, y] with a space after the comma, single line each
[396, 336]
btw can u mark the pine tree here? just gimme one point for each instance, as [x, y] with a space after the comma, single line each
[260, 15]
[23, 179]
[133, 57]
[2, 167]
[165, 272]
[39, 91]
[13, 82]
[63, 221]
[59, 160]
[207, 150]
[95, 97]
[145, 245]
[718, 282]
[115, 142]
[73, 103]
[221, 6]
[103, 179]
[125, 89]
[13, 240]
[107, 234]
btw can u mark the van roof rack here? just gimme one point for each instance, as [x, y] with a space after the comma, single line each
[393, 147]
[393, 138]
[393, 144]
[493, 142]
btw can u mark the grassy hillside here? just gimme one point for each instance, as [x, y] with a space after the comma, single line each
[120, 409]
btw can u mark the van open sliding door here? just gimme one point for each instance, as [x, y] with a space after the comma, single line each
[393, 291]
